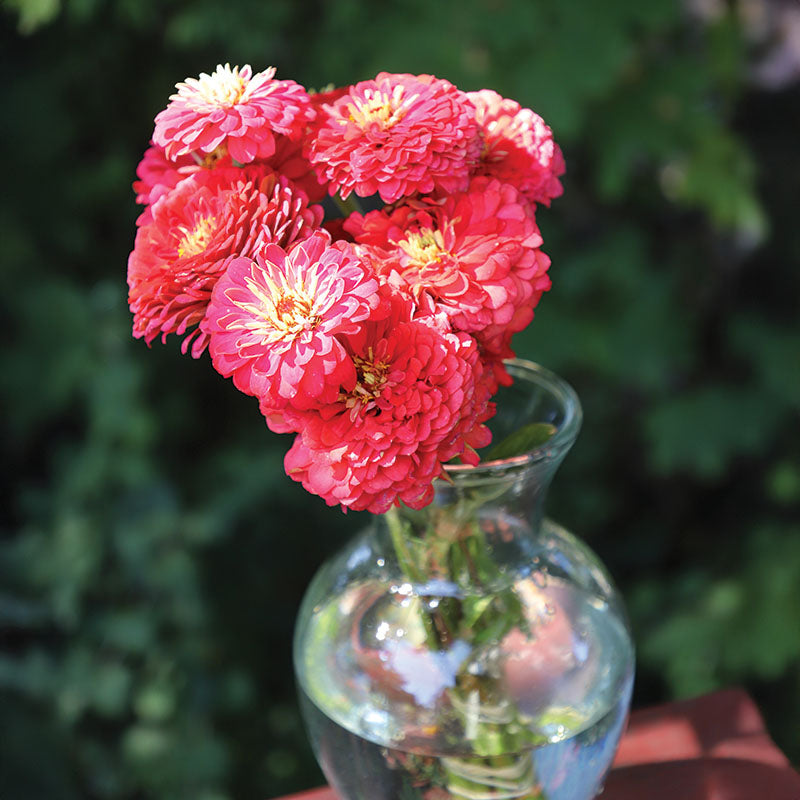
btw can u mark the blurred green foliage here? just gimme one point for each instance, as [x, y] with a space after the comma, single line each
[153, 553]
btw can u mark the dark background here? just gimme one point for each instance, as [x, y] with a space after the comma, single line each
[153, 553]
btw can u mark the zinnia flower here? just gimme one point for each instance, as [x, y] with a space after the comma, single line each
[207, 220]
[474, 253]
[396, 135]
[518, 147]
[288, 160]
[158, 175]
[273, 321]
[235, 108]
[418, 402]
[495, 349]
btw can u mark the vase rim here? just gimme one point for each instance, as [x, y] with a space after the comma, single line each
[557, 444]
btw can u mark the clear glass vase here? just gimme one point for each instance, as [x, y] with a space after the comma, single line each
[472, 650]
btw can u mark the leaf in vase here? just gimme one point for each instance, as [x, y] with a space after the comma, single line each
[522, 441]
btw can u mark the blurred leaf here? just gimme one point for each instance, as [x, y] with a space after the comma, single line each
[733, 626]
[718, 176]
[701, 431]
[33, 13]
[783, 483]
[773, 353]
[615, 313]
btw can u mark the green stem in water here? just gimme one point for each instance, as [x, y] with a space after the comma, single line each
[399, 534]
[509, 772]
[405, 558]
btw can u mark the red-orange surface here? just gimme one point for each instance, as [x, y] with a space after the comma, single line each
[714, 747]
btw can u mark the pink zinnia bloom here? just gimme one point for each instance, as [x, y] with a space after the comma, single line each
[288, 160]
[329, 94]
[474, 253]
[235, 108]
[207, 220]
[518, 147]
[417, 403]
[396, 135]
[158, 175]
[273, 321]
[494, 350]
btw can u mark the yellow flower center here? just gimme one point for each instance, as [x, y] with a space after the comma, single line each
[385, 108]
[292, 312]
[209, 160]
[292, 309]
[280, 312]
[370, 379]
[425, 247]
[195, 241]
[224, 87]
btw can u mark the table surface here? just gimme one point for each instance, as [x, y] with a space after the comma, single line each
[713, 747]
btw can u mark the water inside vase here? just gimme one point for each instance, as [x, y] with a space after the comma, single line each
[391, 718]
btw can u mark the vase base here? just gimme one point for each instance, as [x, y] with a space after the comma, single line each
[571, 769]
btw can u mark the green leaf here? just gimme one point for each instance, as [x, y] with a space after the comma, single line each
[474, 607]
[522, 441]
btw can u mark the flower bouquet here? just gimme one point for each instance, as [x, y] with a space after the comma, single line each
[447, 652]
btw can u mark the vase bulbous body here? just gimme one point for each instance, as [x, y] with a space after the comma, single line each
[471, 650]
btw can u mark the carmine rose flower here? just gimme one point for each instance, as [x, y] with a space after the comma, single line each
[418, 402]
[235, 108]
[273, 321]
[494, 350]
[327, 95]
[518, 147]
[396, 135]
[158, 175]
[288, 160]
[208, 219]
[474, 253]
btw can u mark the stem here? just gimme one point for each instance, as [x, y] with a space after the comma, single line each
[347, 206]
[400, 543]
[398, 533]
[508, 772]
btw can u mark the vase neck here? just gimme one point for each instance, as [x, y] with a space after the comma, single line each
[514, 491]
[498, 505]
[474, 534]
